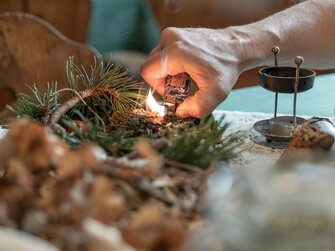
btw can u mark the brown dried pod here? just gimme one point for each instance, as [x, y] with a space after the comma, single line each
[19, 173]
[156, 227]
[106, 203]
[28, 142]
[72, 164]
[154, 158]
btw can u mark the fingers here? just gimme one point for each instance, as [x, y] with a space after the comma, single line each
[175, 59]
[161, 61]
[158, 48]
[200, 105]
[168, 36]
[195, 52]
[160, 87]
[153, 73]
[159, 65]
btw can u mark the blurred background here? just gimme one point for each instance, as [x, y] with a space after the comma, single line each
[129, 29]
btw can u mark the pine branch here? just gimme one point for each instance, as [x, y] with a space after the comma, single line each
[102, 91]
[203, 145]
[109, 98]
[38, 107]
[76, 135]
[199, 145]
[115, 142]
[68, 105]
[107, 90]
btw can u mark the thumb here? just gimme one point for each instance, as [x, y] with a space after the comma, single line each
[198, 106]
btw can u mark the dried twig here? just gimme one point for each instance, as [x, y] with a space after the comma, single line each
[183, 166]
[71, 103]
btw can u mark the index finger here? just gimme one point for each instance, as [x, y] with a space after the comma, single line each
[158, 67]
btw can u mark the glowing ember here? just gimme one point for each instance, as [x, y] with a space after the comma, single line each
[154, 106]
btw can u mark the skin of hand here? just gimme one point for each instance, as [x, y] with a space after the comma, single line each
[208, 56]
[215, 58]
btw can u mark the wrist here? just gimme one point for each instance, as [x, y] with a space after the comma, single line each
[253, 45]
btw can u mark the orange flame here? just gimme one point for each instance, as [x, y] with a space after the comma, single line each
[154, 106]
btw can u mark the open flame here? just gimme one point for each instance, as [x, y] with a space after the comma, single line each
[154, 106]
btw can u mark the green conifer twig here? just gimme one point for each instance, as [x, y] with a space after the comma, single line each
[38, 107]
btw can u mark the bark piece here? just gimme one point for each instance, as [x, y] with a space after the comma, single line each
[306, 142]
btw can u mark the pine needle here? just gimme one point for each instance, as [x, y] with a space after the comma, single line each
[39, 106]
[203, 145]
[115, 143]
[105, 90]
[112, 89]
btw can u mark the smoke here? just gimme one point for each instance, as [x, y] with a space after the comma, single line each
[174, 6]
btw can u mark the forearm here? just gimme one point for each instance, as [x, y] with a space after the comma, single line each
[215, 58]
[307, 29]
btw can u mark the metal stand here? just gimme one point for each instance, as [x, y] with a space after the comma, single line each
[283, 79]
[275, 50]
[298, 61]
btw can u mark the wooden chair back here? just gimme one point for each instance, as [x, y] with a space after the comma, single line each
[34, 52]
[70, 17]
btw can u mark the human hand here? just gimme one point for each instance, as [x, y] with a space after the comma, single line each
[211, 57]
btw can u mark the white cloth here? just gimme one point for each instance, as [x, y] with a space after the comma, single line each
[255, 150]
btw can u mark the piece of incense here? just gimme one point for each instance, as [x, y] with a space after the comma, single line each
[176, 90]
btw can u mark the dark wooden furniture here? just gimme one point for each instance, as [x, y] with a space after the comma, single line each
[71, 17]
[34, 52]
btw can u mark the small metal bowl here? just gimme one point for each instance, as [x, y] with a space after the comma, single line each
[283, 125]
[282, 79]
